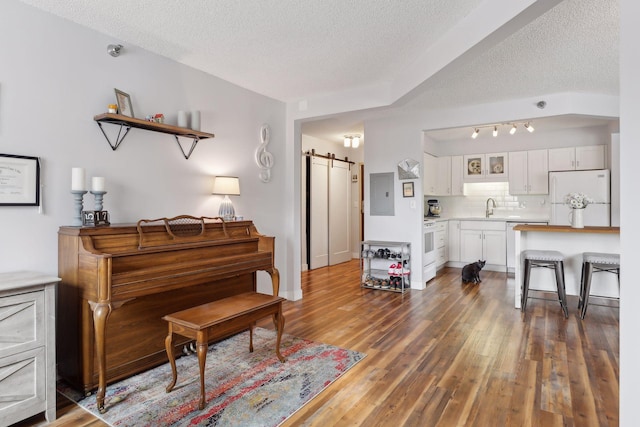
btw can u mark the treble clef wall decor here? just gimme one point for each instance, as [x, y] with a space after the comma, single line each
[264, 159]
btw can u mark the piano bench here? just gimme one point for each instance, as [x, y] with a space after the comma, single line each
[218, 319]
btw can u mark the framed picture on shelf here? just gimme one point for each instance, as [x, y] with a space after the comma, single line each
[19, 180]
[124, 103]
[407, 189]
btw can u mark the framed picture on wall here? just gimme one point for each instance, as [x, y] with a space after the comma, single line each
[124, 103]
[19, 180]
[407, 189]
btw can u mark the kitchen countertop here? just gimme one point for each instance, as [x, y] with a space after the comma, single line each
[510, 218]
[567, 229]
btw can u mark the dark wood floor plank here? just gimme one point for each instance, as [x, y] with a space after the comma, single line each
[452, 354]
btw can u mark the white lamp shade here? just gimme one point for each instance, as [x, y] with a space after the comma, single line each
[355, 143]
[226, 185]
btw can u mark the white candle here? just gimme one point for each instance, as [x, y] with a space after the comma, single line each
[78, 179]
[195, 120]
[97, 183]
[182, 119]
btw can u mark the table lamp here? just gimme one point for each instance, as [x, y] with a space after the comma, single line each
[226, 186]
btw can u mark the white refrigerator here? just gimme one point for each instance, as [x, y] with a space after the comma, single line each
[593, 183]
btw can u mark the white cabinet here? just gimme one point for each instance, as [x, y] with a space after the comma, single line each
[443, 176]
[577, 158]
[429, 183]
[528, 172]
[27, 346]
[483, 240]
[441, 243]
[454, 240]
[486, 167]
[437, 175]
[457, 177]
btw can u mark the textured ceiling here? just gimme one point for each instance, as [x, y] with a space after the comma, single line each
[300, 49]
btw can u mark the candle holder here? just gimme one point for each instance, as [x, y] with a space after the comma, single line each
[77, 203]
[98, 195]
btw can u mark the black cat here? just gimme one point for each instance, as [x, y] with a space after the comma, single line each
[471, 272]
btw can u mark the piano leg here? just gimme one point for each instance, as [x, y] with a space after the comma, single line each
[202, 343]
[101, 312]
[275, 280]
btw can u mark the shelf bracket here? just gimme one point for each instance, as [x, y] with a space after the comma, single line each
[119, 138]
[193, 145]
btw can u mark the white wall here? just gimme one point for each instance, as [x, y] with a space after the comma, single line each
[55, 76]
[630, 206]
[388, 142]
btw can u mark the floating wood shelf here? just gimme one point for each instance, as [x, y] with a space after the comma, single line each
[126, 123]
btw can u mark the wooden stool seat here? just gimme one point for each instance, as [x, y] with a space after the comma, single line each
[547, 259]
[595, 262]
[218, 319]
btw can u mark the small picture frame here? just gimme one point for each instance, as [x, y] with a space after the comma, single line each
[124, 103]
[407, 189]
[19, 180]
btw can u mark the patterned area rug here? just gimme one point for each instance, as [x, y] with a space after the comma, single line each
[242, 388]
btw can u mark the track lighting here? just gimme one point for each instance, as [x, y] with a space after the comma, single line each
[513, 128]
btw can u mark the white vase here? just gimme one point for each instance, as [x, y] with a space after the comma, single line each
[576, 218]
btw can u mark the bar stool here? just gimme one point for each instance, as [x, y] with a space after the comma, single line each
[595, 262]
[544, 259]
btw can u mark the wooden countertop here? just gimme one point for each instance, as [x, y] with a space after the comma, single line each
[566, 229]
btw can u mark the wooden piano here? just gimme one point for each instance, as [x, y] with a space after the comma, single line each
[119, 280]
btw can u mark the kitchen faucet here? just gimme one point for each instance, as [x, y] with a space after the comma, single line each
[488, 212]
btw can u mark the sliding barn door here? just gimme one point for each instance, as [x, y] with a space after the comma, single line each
[339, 213]
[319, 213]
[329, 212]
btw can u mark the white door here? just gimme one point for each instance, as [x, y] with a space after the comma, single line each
[590, 157]
[562, 159]
[339, 213]
[494, 247]
[457, 185]
[443, 176]
[518, 174]
[537, 171]
[470, 245]
[319, 213]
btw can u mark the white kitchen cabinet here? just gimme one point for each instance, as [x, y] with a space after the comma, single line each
[486, 167]
[483, 240]
[454, 240]
[441, 243]
[457, 178]
[429, 184]
[27, 346]
[529, 172]
[443, 176]
[577, 158]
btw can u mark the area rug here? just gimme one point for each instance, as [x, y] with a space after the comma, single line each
[242, 388]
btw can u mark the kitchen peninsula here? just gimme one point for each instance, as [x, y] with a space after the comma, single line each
[572, 242]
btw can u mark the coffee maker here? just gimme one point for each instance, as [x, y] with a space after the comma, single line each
[433, 208]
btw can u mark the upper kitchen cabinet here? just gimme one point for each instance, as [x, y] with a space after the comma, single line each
[457, 177]
[443, 175]
[577, 158]
[528, 172]
[429, 182]
[486, 167]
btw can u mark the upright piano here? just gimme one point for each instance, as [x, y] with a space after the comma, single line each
[119, 280]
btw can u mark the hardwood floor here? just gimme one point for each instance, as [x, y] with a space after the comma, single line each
[451, 355]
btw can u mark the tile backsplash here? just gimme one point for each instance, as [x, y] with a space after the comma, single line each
[474, 202]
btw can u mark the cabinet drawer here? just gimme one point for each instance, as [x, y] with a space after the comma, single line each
[482, 225]
[441, 256]
[22, 384]
[441, 225]
[440, 239]
[21, 322]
